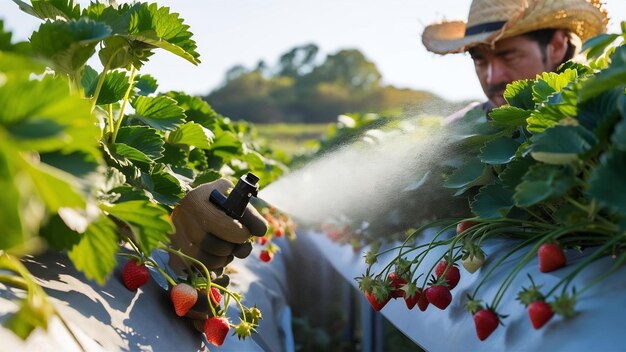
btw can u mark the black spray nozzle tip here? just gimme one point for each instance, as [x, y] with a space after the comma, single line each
[252, 178]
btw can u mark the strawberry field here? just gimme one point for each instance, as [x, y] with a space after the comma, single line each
[521, 244]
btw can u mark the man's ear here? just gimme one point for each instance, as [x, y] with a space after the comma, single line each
[557, 48]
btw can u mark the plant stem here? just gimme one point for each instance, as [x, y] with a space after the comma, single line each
[111, 122]
[120, 116]
[14, 281]
[99, 86]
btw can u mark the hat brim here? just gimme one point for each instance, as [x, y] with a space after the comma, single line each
[582, 18]
[449, 37]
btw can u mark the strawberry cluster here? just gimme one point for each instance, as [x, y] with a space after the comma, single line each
[186, 292]
[279, 225]
[400, 279]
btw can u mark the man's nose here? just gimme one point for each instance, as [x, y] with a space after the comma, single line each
[496, 72]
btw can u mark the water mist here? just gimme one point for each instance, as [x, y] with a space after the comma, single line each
[362, 179]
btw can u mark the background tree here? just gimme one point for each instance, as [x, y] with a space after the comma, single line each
[301, 88]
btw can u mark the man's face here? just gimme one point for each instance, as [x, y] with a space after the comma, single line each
[510, 60]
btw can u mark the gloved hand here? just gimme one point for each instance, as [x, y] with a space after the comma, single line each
[205, 232]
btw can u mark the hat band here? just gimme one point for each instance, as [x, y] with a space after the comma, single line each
[484, 27]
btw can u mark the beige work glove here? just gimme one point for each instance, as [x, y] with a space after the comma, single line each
[205, 232]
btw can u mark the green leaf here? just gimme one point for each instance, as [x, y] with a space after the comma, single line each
[113, 89]
[467, 175]
[227, 146]
[51, 9]
[174, 156]
[192, 134]
[145, 139]
[13, 231]
[34, 312]
[492, 202]
[206, 176]
[149, 222]
[558, 107]
[128, 193]
[582, 70]
[160, 112]
[68, 45]
[146, 85]
[613, 76]
[561, 144]
[58, 235]
[515, 170]
[597, 114]
[519, 94]
[499, 151]
[254, 160]
[606, 182]
[41, 115]
[138, 30]
[509, 116]
[55, 188]
[18, 67]
[6, 44]
[116, 53]
[166, 188]
[543, 182]
[196, 109]
[596, 45]
[156, 26]
[78, 164]
[619, 136]
[26, 8]
[94, 254]
[137, 157]
[549, 83]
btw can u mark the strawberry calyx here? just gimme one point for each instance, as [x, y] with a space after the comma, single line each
[244, 329]
[564, 304]
[473, 305]
[530, 294]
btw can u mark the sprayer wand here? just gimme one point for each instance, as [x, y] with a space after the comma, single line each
[235, 204]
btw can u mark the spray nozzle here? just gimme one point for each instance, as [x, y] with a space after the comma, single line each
[235, 205]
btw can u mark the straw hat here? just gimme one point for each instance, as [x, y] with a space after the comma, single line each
[491, 20]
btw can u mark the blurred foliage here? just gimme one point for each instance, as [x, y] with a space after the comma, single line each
[303, 89]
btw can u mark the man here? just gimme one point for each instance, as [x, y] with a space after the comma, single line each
[517, 39]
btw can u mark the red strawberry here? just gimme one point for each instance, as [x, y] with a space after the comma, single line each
[216, 296]
[439, 296]
[418, 298]
[540, 313]
[278, 231]
[452, 276]
[551, 257]
[485, 321]
[266, 256]
[464, 225]
[135, 275]
[397, 282]
[422, 303]
[376, 304]
[261, 240]
[216, 329]
[183, 296]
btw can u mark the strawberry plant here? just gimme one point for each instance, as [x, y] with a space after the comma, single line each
[91, 158]
[546, 172]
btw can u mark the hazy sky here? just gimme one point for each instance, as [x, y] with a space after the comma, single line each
[230, 32]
